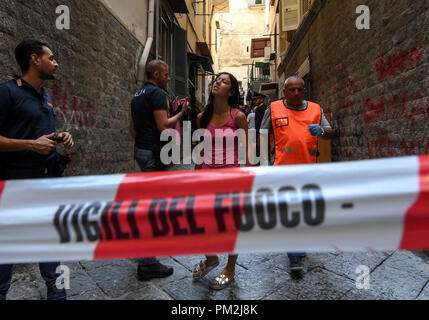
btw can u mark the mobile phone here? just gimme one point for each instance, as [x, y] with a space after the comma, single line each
[57, 139]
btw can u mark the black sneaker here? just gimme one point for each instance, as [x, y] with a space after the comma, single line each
[56, 294]
[156, 270]
[295, 264]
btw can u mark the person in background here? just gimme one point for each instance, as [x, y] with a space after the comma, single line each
[260, 109]
[149, 117]
[251, 119]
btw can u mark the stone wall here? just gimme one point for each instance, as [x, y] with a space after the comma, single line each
[95, 82]
[374, 82]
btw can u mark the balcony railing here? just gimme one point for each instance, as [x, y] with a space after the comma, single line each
[261, 72]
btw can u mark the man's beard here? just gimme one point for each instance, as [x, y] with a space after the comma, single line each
[45, 76]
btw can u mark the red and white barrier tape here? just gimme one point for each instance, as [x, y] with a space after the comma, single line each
[353, 206]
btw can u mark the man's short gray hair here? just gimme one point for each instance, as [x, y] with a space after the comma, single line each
[294, 78]
[154, 66]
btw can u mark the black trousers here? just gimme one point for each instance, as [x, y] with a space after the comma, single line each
[19, 172]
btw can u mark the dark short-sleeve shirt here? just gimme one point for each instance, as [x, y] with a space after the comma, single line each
[145, 102]
[246, 113]
[259, 115]
[25, 114]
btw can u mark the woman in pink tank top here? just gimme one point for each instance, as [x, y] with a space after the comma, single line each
[222, 156]
[221, 119]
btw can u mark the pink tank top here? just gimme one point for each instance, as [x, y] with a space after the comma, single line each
[224, 145]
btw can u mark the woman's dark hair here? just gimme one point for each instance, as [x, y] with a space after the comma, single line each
[233, 101]
[25, 49]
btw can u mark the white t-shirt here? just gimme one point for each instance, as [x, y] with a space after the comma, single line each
[251, 120]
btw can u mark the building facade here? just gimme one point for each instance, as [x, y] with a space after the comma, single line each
[243, 22]
[373, 80]
[101, 59]
[201, 29]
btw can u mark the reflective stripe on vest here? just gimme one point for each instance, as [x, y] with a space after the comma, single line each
[294, 142]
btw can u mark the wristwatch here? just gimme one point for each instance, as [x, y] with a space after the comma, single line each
[323, 132]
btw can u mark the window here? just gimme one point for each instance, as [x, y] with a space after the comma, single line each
[172, 45]
[258, 47]
[293, 13]
[180, 75]
[290, 15]
[256, 3]
[165, 38]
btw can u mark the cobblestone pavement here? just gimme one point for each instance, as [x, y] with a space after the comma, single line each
[394, 275]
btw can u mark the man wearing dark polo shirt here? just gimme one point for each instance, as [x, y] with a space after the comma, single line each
[149, 117]
[28, 138]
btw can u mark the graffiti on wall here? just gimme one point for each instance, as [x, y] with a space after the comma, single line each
[405, 60]
[401, 108]
[404, 109]
[398, 109]
[341, 97]
[73, 111]
[385, 147]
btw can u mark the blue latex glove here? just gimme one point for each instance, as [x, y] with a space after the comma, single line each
[315, 130]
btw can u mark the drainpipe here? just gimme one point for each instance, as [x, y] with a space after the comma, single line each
[148, 46]
[267, 15]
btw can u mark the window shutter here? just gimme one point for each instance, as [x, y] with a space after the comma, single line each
[180, 62]
[258, 47]
[290, 15]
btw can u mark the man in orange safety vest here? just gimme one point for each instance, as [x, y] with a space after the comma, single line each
[295, 125]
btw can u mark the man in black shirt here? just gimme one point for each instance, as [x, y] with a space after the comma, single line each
[259, 112]
[149, 117]
[28, 138]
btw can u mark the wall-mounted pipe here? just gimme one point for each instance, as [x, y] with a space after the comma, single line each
[267, 15]
[148, 46]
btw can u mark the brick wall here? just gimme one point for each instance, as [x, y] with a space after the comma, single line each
[374, 82]
[95, 82]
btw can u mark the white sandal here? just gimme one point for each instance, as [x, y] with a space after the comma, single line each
[202, 269]
[222, 282]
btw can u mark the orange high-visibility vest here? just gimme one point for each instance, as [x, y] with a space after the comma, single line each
[294, 142]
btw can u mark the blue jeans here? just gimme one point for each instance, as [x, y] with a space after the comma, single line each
[147, 163]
